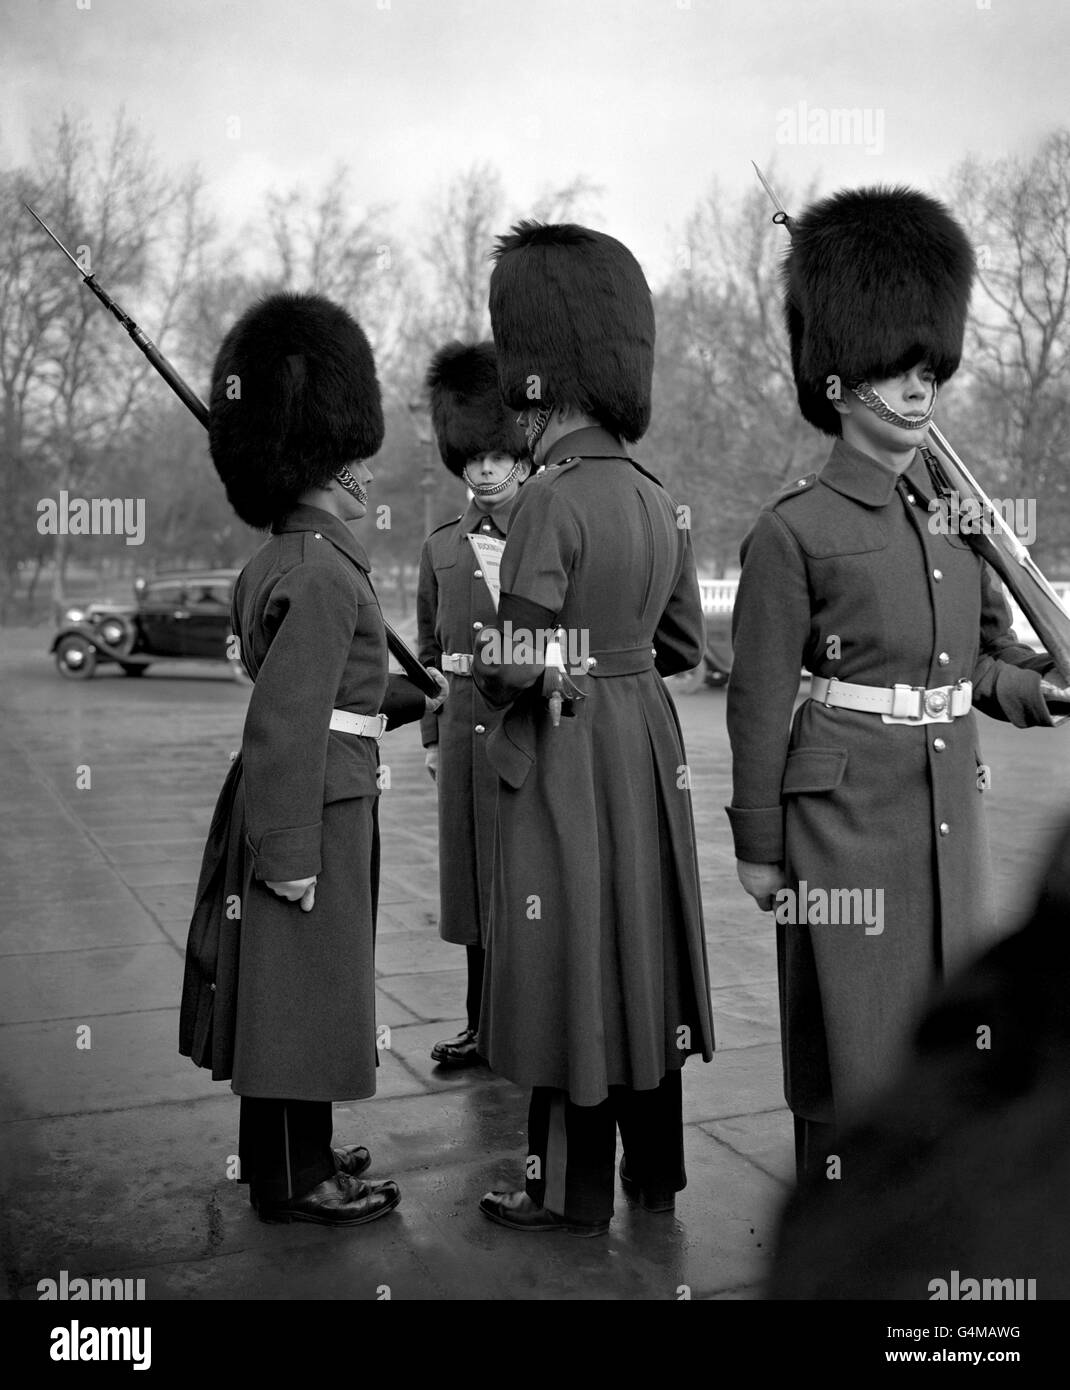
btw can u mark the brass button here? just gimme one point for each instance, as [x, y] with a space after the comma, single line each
[945, 829]
[477, 627]
[943, 659]
[911, 497]
[801, 482]
[316, 536]
[477, 574]
[481, 728]
[938, 575]
[939, 744]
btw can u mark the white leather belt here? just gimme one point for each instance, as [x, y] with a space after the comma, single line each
[366, 725]
[901, 704]
[457, 663]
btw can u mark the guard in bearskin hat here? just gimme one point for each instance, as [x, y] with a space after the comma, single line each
[480, 442]
[279, 992]
[859, 820]
[596, 987]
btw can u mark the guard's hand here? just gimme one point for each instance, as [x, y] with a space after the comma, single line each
[436, 702]
[294, 890]
[431, 761]
[1053, 693]
[762, 881]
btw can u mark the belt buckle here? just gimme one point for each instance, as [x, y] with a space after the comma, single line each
[938, 703]
[907, 698]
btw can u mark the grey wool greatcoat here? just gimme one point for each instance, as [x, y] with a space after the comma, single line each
[279, 1001]
[843, 574]
[596, 968]
[452, 603]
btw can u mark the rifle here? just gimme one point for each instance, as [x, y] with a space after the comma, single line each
[989, 536]
[407, 659]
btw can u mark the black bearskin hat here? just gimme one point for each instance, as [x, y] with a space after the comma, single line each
[573, 323]
[877, 279]
[467, 410]
[294, 396]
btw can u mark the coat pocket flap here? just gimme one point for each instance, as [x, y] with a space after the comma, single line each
[813, 770]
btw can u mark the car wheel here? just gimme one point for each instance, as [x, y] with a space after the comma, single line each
[129, 670]
[687, 682]
[76, 658]
[118, 635]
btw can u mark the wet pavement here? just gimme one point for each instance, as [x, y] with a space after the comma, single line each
[115, 1150]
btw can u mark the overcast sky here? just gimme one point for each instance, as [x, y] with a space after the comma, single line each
[652, 99]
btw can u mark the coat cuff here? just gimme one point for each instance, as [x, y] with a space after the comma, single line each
[758, 833]
[285, 855]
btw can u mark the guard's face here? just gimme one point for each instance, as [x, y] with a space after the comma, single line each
[355, 507]
[489, 471]
[911, 394]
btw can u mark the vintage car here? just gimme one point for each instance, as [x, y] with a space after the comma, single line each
[176, 616]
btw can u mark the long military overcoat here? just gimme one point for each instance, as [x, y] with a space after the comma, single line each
[453, 603]
[596, 964]
[279, 1001]
[850, 574]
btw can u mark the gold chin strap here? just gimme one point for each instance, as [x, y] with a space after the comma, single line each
[873, 400]
[347, 480]
[492, 490]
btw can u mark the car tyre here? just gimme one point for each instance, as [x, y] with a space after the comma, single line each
[130, 670]
[76, 659]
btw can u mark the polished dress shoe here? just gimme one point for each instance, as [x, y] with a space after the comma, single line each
[337, 1201]
[649, 1198]
[461, 1051]
[353, 1161]
[517, 1211]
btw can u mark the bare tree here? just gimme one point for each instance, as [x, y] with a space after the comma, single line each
[139, 228]
[1016, 418]
[726, 432]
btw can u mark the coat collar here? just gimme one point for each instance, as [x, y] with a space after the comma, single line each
[473, 519]
[854, 474]
[591, 442]
[306, 518]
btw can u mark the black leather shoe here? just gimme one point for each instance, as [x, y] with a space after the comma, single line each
[649, 1198]
[517, 1211]
[353, 1161]
[337, 1201]
[461, 1051]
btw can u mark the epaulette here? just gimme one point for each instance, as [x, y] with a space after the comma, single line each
[452, 522]
[793, 489]
[548, 472]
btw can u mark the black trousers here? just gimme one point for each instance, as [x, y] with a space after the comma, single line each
[477, 959]
[571, 1148]
[814, 1141]
[284, 1146]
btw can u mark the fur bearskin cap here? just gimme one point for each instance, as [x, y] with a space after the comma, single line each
[467, 410]
[876, 280]
[573, 322]
[294, 396]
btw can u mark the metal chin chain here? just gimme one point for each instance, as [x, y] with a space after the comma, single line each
[493, 489]
[535, 429]
[873, 400]
[351, 485]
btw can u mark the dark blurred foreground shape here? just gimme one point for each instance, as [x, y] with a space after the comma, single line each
[965, 1163]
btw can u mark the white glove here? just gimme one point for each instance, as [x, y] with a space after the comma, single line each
[294, 890]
